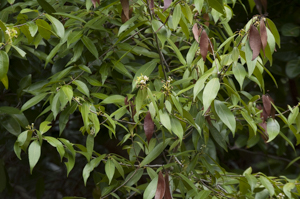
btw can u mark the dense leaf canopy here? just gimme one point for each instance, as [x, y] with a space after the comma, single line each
[149, 99]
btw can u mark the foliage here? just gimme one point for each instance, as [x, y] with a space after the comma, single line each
[150, 100]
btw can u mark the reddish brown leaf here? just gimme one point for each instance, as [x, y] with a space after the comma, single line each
[167, 3]
[196, 32]
[255, 41]
[258, 6]
[125, 10]
[267, 101]
[160, 191]
[94, 2]
[263, 34]
[204, 44]
[206, 19]
[168, 194]
[151, 6]
[148, 126]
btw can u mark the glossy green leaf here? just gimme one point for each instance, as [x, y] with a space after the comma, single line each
[118, 66]
[273, 129]
[249, 120]
[57, 26]
[34, 153]
[191, 54]
[176, 16]
[251, 180]
[210, 93]
[218, 137]
[287, 188]
[151, 189]
[4, 64]
[203, 194]
[225, 115]
[68, 91]
[69, 154]
[90, 166]
[44, 127]
[165, 120]
[178, 53]
[162, 32]
[217, 5]
[69, 16]
[200, 82]
[239, 73]
[118, 167]
[177, 128]
[154, 153]
[44, 28]
[82, 87]
[90, 145]
[33, 101]
[90, 46]
[109, 169]
[57, 144]
[46, 6]
[274, 31]
[114, 99]
[267, 184]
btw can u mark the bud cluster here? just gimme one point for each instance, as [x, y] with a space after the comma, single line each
[167, 86]
[142, 81]
[11, 32]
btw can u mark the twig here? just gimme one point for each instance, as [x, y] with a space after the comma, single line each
[120, 185]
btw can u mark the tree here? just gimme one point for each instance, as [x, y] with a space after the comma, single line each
[152, 99]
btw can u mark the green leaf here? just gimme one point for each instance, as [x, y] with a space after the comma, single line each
[249, 120]
[57, 144]
[178, 53]
[177, 128]
[109, 169]
[68, 91]
[250, 64]
[287, 189]
[203, 194]
[82, 87]
[225, 115]
[217, 5]
[46, 6]
[200, 82]
[151, 189]
[57, 26]
[145, 70]
[33, 101]
[44, 127]
[239, 73]
[274, 31]
[165, 119]
[191, 54]
[218, 137]
[188, 181]
[69, 154]
[121, 69]
[290, 30]
[90, 46]
[210, 93]
[119, 167]
[251, 180]
[4, 64]
[176, 16]
[198, 5]
[55, 105]
[69, 16]
[33, 28]
[267, 184]
[90, 145]
[114, 99]
[44, 28]
[155, 153]
[85, 110]
[292, 68]
[162, 32]
[34, 153]
[11, 125]
[273, 129]
[89, 167]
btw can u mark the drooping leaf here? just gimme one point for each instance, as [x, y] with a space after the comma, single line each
[89, 167]
[287, 188]
[82, 87]
[239, 73]
[4, 64]
[57, 26]
[46, 6]
[177, 128]
[148, 127]
[273, 129]
[90, 46]
[57, 144]
[125, 8]
[176, 16]
[168, 194]
[33, 101]
[204, 44]
[114, 99]
[161, 186]
[165, 120]
[34, 153]
[267, 102]
[225, 115]
[44, 28]
[217, 5]
[110, 169]
[44, 127]
[196, 32]
[155, 153]
[254, 41]
[267, 184]
[263, 34]
[210, 92]
[151, 189]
